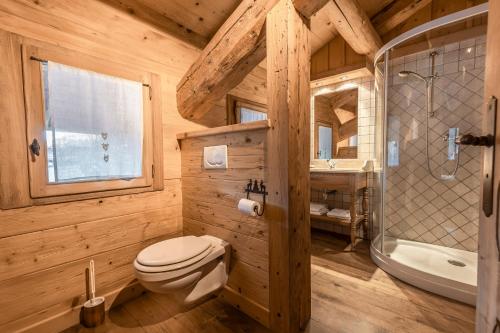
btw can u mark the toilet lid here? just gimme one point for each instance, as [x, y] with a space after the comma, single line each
[173, 251]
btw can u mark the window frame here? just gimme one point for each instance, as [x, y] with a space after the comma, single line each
[317, 124]
[234, 104]
[35, 124]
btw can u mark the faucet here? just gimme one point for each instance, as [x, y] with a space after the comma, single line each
[331, 163]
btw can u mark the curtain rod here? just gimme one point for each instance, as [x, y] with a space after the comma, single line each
[46, 61]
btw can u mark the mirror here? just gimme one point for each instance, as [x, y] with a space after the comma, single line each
[335, 125]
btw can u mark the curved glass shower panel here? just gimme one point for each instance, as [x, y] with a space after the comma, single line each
[378, 165]
[426, 222]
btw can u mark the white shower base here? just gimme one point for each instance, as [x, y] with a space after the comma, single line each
[428, 267]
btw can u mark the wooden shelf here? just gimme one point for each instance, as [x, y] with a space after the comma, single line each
[251, 126]
[336, 219]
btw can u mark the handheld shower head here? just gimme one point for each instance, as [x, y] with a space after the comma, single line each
[410, 73]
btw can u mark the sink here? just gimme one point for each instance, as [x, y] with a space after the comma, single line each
[342, 166]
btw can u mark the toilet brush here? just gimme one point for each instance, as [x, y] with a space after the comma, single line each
[93, 310]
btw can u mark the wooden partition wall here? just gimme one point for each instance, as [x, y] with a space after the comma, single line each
[210, 199]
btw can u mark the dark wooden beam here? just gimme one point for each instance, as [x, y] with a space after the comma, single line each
[288, 156]
[159, 21]
[397, 13]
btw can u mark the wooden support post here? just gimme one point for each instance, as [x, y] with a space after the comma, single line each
[288, 153]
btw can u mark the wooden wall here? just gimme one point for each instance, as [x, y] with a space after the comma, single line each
[335, 57]
[210, 199]
[338, 57]
[44, 250]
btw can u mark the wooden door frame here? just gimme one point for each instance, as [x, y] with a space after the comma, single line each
[488, 305]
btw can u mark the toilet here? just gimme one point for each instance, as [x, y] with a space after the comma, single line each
[188, 268]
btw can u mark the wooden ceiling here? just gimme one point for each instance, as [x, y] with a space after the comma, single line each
[196, 21]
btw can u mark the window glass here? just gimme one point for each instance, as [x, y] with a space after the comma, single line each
[248, 115]
[324, 142]
[353, 141]
[93, 125]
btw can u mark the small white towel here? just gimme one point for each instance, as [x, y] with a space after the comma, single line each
[316, 206]
[321, 211]
[339, 213]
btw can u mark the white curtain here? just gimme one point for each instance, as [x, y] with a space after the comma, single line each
[94, 125]
[248, 115]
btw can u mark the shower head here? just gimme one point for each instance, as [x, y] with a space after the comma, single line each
[410, 73]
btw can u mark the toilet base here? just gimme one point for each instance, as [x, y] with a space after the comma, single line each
[195, 286]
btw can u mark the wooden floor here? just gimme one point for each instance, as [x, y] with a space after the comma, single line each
[349, 294]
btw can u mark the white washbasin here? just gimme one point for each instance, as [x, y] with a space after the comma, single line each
[342, 165]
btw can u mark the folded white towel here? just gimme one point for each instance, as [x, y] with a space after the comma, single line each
[339, 213]
[321, 211]
[317, 206]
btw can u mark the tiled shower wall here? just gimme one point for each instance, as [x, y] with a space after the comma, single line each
[419, 207]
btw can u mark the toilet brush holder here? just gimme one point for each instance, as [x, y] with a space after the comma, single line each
[93, 312]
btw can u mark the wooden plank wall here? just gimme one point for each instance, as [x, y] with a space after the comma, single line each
[338, 57]
[44, 250]
[335, 57]
[210, 199]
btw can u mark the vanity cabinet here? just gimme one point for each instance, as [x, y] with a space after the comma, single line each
[354, 183]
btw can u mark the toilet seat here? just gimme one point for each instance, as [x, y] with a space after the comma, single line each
[168, 268]
[148, 274]
[173, 251]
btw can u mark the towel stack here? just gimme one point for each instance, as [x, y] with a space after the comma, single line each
[339, 213]
[318, 208]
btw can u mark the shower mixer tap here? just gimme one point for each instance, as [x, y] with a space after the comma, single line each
[471, 140]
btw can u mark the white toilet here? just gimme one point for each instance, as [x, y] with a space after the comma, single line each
[189, 268]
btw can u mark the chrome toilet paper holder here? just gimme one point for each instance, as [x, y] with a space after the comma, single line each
[253, 186]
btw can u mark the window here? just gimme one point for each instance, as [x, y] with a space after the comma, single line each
[91, 122]
[353, 141]
[244, 111]
[324, 142]
[248, 115]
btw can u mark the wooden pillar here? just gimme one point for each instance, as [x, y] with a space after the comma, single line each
[488, 279]
[288, 154]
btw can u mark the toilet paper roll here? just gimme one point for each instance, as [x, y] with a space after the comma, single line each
[249, 207]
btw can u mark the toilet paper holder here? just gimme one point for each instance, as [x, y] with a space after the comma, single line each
[253, 186]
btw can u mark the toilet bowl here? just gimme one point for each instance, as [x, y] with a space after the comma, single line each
[189, 268]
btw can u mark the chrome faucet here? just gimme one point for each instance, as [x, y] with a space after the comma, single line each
[331, 163]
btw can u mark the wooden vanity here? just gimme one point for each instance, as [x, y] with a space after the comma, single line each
[348, 181]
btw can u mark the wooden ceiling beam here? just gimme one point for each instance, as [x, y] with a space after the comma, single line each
[397, 13]
[158, 21]
[237, 47]
[340, 99]
[354, 26]
[308, 7]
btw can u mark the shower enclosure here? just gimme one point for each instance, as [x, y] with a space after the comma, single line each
[429, 98]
